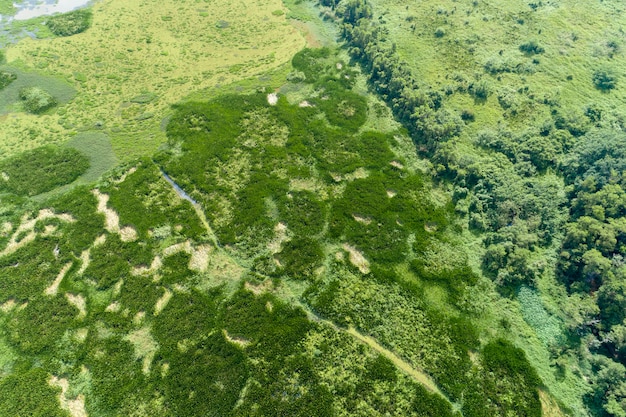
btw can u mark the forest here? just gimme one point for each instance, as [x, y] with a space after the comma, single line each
[406, 217]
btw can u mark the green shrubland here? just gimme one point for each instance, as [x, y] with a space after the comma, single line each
[41, 170]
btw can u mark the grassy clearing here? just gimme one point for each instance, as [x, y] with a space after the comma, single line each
[481, 43]
[97, 147]
[181, 45]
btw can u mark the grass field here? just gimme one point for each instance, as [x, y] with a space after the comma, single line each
[135, 70]
[578, 39]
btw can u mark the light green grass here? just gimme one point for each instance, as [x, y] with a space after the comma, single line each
[168, 49]
[575, 36]
[7, 8]
[97, 147]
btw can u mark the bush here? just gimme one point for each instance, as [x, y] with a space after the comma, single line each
[36, 100]
[531, 48]
[71, 23]
[604, 80]
[6, 78]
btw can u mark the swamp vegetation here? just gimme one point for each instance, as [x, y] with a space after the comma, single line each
[280, 248]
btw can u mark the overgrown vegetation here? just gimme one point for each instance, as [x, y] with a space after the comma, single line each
[514, 158]
[36, 100]
[40, 170]
[278, 257]
[71, 23]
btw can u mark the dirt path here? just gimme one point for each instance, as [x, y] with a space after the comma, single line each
[418, 376]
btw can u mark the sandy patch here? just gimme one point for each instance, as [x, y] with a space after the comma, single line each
[8, 306]
[113, 307]
[179, 247]
[139, 317]
[280, 236]
[199, 261]
[99, 240]
[430, 227]
[79, 302]
[357, 259]
[85, 259]
[145, 347]
[363, 220]
[265, 286]
[126, 174]
[272, 99]
[53, 289]
[308, 184]
[76, 406]
[27, 225]
[305, 103]
[165, 369]
[391, 193]
[358, 174]
[81, 335]
[154, 267]
[238, 341]
[162, 302]
[396, 164]
[128, 234]
[112, 220]
[6, 228]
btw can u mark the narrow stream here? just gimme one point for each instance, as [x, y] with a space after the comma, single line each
[178, 190]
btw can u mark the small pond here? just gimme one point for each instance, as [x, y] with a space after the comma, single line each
[28, 9]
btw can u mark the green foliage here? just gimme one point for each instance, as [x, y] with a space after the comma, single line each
[508, 384]
[308, 61]
[26, 393]
[303, 213]
[39, 326]
[36, 100]
[342, 108]
[146, 201]
[6, 78]
[300, 257]
[604, 80]
[207, 380]
[531, 48]
[41, 170]
[68, 24]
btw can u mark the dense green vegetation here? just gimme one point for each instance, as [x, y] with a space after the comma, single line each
[36, 100]
[536, 173]
[6, 78]
[288, 253]
[68, 24]
[41, 170]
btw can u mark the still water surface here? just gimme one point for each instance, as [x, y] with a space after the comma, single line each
[28, 9]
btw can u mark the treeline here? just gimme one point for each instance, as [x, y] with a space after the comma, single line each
[415, 104]
[555, 184]
[499, 193]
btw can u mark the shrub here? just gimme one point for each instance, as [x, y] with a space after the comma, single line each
[71, 23]
[531, 48]
[6, 78]
[440, 32]
[41, 170]
[36, 100]
[604, 80]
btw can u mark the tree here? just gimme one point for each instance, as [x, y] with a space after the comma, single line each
[36, 100]
[604, 80]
